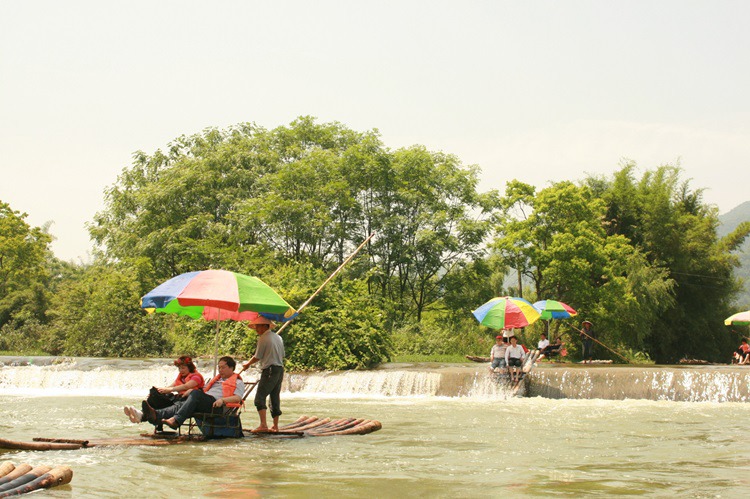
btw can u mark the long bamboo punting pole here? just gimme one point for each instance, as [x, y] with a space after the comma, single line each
[602, 344]
[343, 264]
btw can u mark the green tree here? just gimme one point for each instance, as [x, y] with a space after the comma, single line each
[676, 231]
[429, 218]
[306, 192]
[557, 240]
[98, 315]
[24, 276]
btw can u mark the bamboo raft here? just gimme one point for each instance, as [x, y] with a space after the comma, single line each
[17, 480]
[697, 362]
[304, 426]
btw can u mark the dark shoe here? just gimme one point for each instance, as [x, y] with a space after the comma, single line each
[149, 414]
[171, 422]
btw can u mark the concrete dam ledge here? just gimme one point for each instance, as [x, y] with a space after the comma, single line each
[692, 383]
[706, 383]
[703, 383]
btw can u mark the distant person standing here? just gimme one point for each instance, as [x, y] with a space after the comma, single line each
[270, 354]
[587, 337]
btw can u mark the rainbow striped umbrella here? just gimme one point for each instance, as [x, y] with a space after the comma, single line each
[506, 312]
[552, 309]
[738, 319]
[217, 295]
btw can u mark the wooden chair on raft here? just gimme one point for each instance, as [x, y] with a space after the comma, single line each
[220, 422]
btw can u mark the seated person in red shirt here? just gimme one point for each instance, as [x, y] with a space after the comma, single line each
[224, 390]
[188, 379]
[742, 354]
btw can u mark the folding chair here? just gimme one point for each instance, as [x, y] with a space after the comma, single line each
[224, 422]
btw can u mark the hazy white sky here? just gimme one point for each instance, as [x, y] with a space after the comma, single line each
[539, 91]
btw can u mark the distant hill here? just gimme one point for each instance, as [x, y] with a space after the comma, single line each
[729, 222]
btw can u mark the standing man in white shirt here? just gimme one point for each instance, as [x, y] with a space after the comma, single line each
[270, 354]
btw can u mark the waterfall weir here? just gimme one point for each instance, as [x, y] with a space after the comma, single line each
[47, 376]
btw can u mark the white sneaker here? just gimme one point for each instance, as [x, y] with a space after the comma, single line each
[137, 413]
[133, 414]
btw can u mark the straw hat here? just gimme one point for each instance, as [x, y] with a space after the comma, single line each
[262, 320]
[587, 322]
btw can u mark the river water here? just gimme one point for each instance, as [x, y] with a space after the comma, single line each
[475, 443]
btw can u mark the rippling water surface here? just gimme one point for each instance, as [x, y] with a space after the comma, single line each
[483, 444]
[427, 447]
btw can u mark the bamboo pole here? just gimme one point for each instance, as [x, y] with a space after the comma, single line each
[216, 342]
[343, 264]
[10, 444]
[602, 344]
[307, 302]
[59, 475]
[24, 479]
[6, 467]
[18, 471]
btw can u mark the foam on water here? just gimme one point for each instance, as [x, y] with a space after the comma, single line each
[132, 378]
[69, 379]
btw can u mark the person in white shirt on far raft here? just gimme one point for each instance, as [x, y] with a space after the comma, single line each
[543, 342]
[514, 359]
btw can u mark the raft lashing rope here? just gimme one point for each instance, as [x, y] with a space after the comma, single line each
[17, 480]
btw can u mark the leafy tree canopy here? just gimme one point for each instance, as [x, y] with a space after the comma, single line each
[23, 273]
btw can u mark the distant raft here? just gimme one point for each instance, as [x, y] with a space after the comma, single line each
[697, 362]
[304, 426]
[21, 479]
[474, 358]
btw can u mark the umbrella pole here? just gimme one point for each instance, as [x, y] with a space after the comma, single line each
[216, 343]
[343, 264]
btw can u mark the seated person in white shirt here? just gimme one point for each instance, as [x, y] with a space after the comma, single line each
[551, 349]
[514, 359]
[543, 342]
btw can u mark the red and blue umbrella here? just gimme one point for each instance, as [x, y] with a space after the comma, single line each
[218, 295]
[553, 309]
[506, 312]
